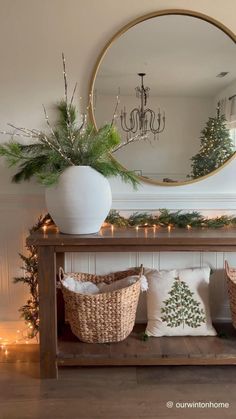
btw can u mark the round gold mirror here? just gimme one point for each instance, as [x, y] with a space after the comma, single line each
[174, 74]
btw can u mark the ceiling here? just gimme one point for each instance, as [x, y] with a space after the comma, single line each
[181, 56]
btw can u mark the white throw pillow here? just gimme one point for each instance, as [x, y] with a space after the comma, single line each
[80, 287]
[178, 303]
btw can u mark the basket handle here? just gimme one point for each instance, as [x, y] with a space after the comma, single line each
[227, 268]
[61, 274]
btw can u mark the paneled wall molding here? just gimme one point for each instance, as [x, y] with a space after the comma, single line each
[139, 201]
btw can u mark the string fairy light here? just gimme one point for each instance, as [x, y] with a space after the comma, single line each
[112, 229]
[22, 337]
[169, 220]
[44, 228]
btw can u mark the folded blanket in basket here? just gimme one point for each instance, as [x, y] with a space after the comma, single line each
[81, 287]
[88, 287]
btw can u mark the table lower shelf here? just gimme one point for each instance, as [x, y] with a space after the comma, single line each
[200, 350]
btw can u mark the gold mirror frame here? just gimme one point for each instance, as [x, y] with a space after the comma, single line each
[124, 29]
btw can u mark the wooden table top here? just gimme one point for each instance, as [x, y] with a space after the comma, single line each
[143, 236]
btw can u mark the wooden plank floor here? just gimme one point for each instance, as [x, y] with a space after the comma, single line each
[211, 350]
[115, 393]
[112, 392]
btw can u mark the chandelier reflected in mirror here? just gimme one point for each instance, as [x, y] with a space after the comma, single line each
[141, 120]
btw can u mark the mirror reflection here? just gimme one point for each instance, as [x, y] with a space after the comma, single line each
[175, 76]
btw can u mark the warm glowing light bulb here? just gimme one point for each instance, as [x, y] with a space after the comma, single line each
[169, 228]
[188, 227]
[137, 227]
[44, 228]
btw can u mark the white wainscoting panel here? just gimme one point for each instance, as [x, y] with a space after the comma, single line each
[207, 202]
[102, 263]
[17, 214]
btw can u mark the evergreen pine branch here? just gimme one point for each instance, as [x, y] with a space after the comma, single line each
[12, 151]
[29, 168]
[48, 178]
[111, 168]
[141, 219]
[101, 143]
[115, 218]
[63, 120]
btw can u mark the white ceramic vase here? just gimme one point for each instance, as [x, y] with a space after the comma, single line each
[80, 201]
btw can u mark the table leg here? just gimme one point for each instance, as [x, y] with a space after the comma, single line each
[47, 312]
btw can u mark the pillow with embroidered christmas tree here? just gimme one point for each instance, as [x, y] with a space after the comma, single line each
[178, 302]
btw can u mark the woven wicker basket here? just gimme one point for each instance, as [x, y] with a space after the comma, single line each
[231, 282]
[105, 317]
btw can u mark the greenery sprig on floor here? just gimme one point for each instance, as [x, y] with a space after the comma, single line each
[164, 218]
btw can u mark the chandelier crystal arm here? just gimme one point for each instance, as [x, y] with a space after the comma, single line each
[141, 120]
[132, 119]
[156, 119]
[137, 117]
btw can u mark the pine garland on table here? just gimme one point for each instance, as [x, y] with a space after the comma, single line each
[166, 218]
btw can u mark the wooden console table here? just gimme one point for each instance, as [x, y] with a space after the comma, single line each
[67, 350]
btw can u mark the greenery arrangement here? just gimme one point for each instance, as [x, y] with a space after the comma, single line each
[181, 308]
[216, 147]
[67, 143]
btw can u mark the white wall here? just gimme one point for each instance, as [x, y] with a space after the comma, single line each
[32, 36]
[230, 90]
